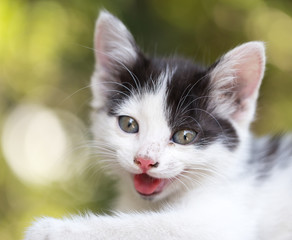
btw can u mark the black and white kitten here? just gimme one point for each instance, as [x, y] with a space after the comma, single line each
[177, 134]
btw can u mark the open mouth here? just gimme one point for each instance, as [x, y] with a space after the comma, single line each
[147, 185]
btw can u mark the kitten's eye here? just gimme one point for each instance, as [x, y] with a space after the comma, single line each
[128, 124]
[184, 137]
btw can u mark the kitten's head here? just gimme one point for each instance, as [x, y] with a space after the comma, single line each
[169, 124]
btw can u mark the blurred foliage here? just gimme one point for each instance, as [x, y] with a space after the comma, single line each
[45, 59]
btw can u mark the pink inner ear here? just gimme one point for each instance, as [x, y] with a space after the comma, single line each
[248, 61]
[103, 59]
[114, 45]
[102, 50]
[249, 74]
[241, 70]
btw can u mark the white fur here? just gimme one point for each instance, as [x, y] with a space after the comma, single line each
[180, 223]
[211, 196]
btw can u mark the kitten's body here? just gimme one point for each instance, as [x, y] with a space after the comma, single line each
[187, 163]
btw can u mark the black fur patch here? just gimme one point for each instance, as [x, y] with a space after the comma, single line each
[269, 154]
[143, 74]
[187, 97]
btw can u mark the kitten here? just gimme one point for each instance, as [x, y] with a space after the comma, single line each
[177, 134]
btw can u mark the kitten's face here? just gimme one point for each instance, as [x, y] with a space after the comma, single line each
[169, 125]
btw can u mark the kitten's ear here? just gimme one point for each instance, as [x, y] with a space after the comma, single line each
[114, 45]
[115, 50]
[235, 79]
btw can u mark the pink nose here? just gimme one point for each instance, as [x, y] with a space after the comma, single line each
[145, 163]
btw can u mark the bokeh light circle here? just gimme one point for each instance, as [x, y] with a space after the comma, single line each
[36, 144]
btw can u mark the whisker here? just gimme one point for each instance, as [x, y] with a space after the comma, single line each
[196, 99]
[185, 96]
[211, 115]
[133, 76]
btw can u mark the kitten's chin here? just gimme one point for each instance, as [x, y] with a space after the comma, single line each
[148, 186]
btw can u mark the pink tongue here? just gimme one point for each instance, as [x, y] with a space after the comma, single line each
[145, 184]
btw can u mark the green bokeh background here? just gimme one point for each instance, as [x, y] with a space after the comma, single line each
[45, 58]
